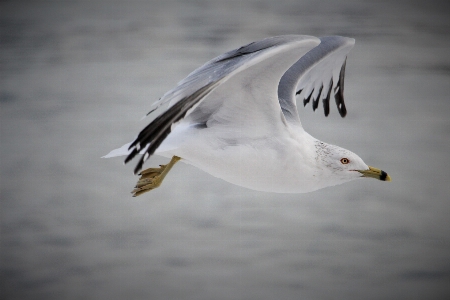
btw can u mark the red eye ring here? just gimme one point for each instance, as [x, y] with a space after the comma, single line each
[345, 160]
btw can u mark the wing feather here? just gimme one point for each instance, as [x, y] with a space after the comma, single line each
[339, 94]
[316, 99]
[322, 68]
[205, 92]
[326, 100]
[155, 133]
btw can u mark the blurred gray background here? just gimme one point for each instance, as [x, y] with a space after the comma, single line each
[77, 76]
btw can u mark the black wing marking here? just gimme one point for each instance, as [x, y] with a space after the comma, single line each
[316, 101]
[197, 85]
[339, 95]
[326, 100]
[313, 71]
[306, 100]
[155, 133]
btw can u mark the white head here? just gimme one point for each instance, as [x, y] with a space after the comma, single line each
[337, 165]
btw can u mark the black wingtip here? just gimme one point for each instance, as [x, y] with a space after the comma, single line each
[138, 166]
[134, 143]
[306, 100]
[342, 110]
[316, 101]
[326, 100]
[339, 95]
[315, 104]
[326, 106]
[131, 155]
[155, 133]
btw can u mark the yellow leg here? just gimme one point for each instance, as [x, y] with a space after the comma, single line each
[152, 178]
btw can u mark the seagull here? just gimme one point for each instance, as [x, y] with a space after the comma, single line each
[236, 118]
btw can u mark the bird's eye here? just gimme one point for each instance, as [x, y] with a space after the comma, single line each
[345, 161]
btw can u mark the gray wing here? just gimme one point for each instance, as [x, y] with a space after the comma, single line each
[315, 76]
[253, 70]
[220, 67]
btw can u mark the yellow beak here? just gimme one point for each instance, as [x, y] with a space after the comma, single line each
[375, 173]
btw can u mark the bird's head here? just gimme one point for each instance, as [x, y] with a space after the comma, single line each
[340, 165]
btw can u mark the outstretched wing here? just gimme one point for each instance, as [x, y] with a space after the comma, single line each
[315, 76]
[219, 87]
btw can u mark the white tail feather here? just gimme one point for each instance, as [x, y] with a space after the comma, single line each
[119, 151]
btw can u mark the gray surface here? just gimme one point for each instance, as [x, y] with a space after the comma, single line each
[75, 78]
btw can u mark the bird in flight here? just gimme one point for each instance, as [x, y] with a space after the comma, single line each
[236, 118]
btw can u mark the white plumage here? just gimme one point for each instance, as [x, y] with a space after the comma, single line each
[236, 117]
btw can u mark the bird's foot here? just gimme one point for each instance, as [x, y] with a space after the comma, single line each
[152, 178]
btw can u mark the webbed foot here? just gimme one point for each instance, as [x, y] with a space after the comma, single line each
[152, 178]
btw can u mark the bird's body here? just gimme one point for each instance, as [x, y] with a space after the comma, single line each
[256, 163]
[236, 118]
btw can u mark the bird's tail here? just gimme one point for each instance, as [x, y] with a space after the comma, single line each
[119, 151]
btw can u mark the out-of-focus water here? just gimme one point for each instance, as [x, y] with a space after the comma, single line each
[76, 77]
